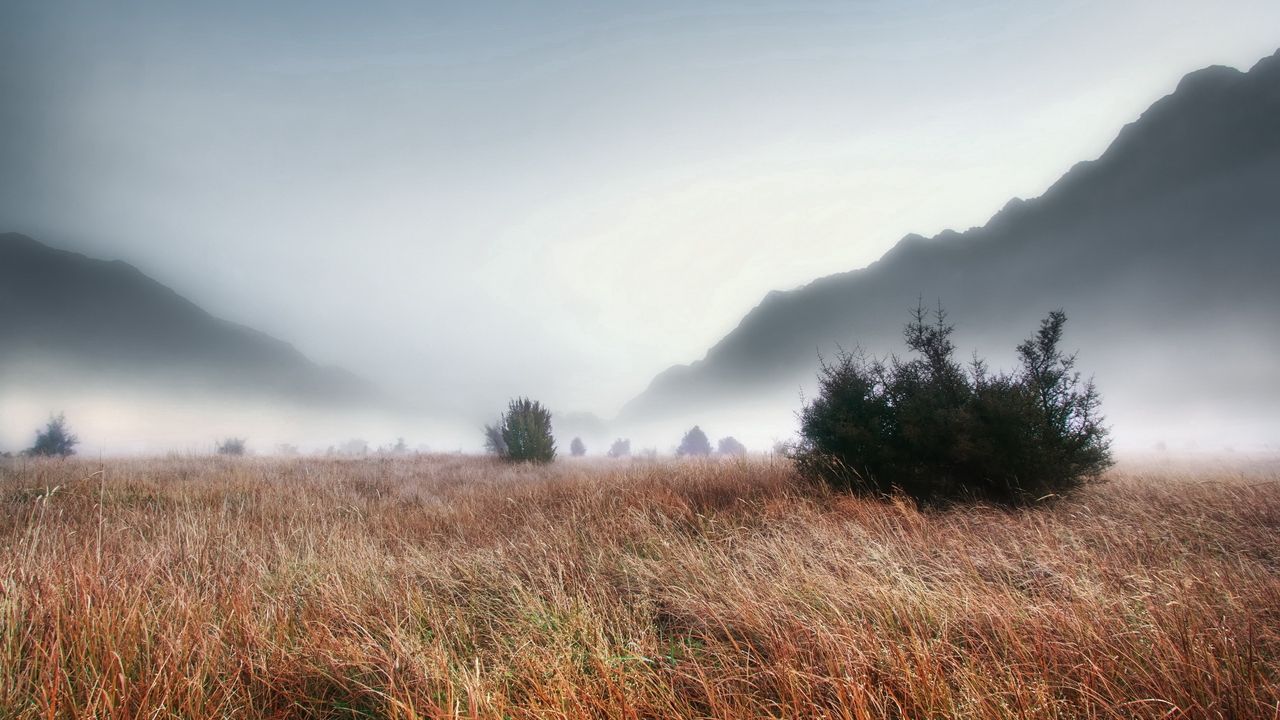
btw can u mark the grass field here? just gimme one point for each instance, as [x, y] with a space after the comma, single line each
[457, 587]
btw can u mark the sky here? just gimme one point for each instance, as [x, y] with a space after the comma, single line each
[470, 201]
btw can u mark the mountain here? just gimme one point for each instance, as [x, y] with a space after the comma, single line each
[69, 319]
[1164, 252]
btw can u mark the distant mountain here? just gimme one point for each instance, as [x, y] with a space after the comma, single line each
[69, 319]
[1165, 253]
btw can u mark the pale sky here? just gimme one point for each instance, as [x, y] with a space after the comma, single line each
[479, 200]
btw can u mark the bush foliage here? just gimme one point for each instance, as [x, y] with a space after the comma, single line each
[936, 430]
[523, 434]
[694, 443]
[730, 446]
[55, 440]
[620, 448]
[232, 446]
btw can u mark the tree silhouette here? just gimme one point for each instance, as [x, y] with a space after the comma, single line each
[694, 443]
[620, 448]
[55, 440]
[576, 448]
[730, 446]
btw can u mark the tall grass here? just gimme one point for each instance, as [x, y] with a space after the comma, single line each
[456, 587]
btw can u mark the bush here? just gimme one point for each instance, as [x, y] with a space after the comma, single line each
[577, 448]
[523, 434]
[234, 447]
[55, 440]
[493, 442]
[620, 448]
[694, 443]
[938, 431]
[730, 446]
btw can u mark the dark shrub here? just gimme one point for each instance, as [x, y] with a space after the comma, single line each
[620, 448]
[523, 434]
[939, 431]
[694, 443]
[730, 446]
[55, 440]
[577, 448]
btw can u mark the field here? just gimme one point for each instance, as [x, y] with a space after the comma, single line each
[458, 587]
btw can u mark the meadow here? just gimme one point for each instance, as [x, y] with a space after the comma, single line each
[450, 586]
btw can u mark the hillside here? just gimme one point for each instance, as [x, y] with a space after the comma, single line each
[70, 319]
[1163, 252]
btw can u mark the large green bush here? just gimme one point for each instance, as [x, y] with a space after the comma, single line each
[523, 434]
[937, 431]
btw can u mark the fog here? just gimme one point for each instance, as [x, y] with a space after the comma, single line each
[560, 200]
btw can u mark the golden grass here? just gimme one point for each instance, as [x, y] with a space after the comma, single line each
[457, 587]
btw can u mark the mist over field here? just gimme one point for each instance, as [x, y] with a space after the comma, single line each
[323, 223]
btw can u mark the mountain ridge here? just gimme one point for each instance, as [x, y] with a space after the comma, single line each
[106, 322]
[1201, 146]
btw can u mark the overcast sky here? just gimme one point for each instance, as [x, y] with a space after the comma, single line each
[476, 200]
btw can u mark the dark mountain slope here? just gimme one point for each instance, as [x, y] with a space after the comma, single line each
[67, 318]
[1164, 252]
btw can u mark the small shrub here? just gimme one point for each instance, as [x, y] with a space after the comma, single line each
[55, 440]
[620, 448]
[233, 446]
[694, 443]
[577, 448]
[523, 434]
[730, 446]
[493, 442]
[938, 431]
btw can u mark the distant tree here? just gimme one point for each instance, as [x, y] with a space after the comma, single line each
[287, 450]
[523, 434]
[55, 440]
[649, 453]
[493, 442]
[355, 447]
[936, 431]
[730, 446]
[694, 443]
[620, 448]
[399, 447]
[232, 446]
[577, 448]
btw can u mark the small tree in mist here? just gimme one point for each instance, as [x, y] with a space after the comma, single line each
[232, 446]
[355, 447]
[936, 430]
[731, 447]
[694, 443]
[523, 434]
[493, 442]
[577, 448]
[620, 448]
[55, 440]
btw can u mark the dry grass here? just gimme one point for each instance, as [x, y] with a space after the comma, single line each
[443, 587]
